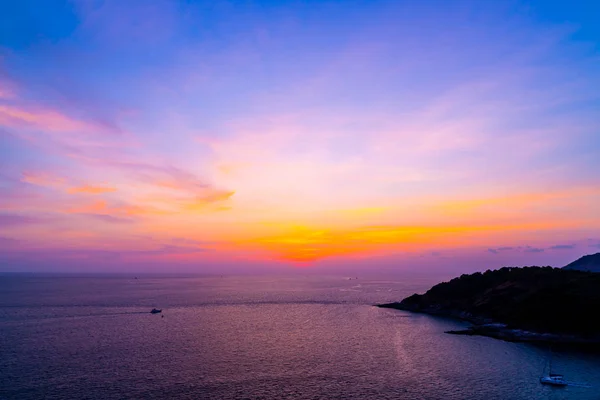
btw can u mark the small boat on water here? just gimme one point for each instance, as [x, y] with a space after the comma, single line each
[155, 311]
[552, 379]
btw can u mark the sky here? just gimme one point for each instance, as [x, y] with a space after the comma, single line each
[205, 136]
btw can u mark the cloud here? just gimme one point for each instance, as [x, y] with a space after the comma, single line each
[71, 258]
[483, 141]
[57, 127]
[562, 247]
[88, 189]
[8, 220]
[55, 254]
[166, 176]
[6, 242]
[168, 250]
[167, 205]
[40, 178]
[102, 207]
[190, 241]
[95, 207]
[110, 218]
[46, 120]
[529, 249]
[499, 249]
[200, 203]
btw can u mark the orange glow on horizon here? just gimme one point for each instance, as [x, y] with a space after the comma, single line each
[305, 244]
[242, 150]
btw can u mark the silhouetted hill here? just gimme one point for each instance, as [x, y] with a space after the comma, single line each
[591, 263]
[505, 302]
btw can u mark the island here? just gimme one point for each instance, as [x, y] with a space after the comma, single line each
[527, 304]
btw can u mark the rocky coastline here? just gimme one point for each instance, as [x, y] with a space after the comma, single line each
[482, 326]
[531, 304]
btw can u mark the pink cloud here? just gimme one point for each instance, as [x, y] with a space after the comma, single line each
[45, 120]
[41, 178]
[89, 189]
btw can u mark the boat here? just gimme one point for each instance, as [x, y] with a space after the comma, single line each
[551, 378]
[155, 311]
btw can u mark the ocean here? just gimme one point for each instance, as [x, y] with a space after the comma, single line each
[255, 337]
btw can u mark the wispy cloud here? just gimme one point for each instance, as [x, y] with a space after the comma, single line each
[6, 242]
[140, 128]
[11, 220]
[69, 254]
[88, 189]
[529, 249]
[109, 218]
[497, 250]
[45, 120]
[42, 178]
[102, 207]
[161, 177]
[562, 247]
[187, 241]
[200, 203]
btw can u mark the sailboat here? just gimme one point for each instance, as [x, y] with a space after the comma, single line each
[551, 378]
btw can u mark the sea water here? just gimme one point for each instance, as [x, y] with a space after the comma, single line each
[260, 337]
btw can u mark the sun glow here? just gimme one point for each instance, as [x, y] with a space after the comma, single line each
[210, 148]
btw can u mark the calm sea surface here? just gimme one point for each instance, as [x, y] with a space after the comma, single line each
[301, 337]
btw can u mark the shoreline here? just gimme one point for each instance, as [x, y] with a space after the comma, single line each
[482, 326]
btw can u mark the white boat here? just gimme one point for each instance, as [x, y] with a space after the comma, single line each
[552, 379]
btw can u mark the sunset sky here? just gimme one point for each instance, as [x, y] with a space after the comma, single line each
[239, 135]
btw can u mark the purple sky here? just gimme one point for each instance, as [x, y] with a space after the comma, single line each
[207, 136]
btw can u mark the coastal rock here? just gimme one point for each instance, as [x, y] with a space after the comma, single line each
[530, 304]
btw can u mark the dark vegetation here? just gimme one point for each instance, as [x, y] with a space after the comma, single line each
[537, 299]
